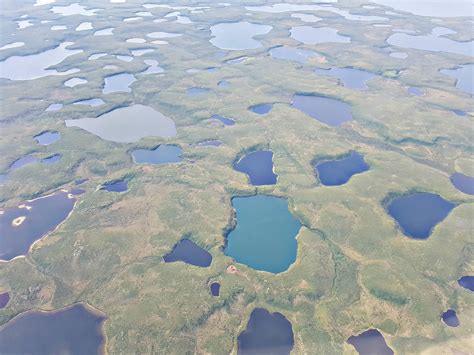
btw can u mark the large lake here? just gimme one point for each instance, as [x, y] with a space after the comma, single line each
[258, 166]
[326, 110]
[237, 35]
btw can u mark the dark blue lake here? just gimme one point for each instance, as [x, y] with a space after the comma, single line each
[47, 137]
[163, 154]
[264, 237]
[259, 167]
[339, 171]
[73, 330]
[115, 186]
[329, 111]
[190, 253]
[467, 282]
[261, 109]
[215, 288]
[226, 121]
[370, 342]
[463, 183]
[51, 159]
[349, 77]
[266, 333]
[4, 298]
[418, 213]
[450, 318]
[23, 225]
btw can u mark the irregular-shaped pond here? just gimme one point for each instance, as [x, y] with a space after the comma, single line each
[467, 282]
[463, 183]
[450, 318]
[339, 171]
[370, 342]
[261, 109]
[47, 137]
[115, 186]
[329, 111]
[74, 330]
[4, 299]
[225, 120]
[194, 91]
[190, 253]
[32, 220]
[463, 76]
[293, 54]
[313, 35]
[128, 124]
[215, 288]
[237, 35]
[118, 83]
[94, 102]
[266, 333]
[418, 213]
[23, 161]
[258, 166]
[350, 77]
[264, 234]
[163, 154]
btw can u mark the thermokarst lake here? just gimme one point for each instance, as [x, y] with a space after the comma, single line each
[47, 137]
[23, 225]
[261, 109]
[317, 35]
[237, 35]
[115, 186]
[190, 253]
[72, 330]
[349, 77]
[463, 76]
[463, 183]
[264, 235]
[163, 154]
[293, 54]
[450, 318]
[118, 83]
[370, 342]
[127, 124]
[326, 110]
[258, 166]
[339, 171]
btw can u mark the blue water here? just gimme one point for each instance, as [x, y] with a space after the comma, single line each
[163, 154]
[196, 91]
[264, 235]
[118, 83]
[51, 159]
[116, 186]
[190, 253]
[339, 171]
[259, 167]
[418, 213]
[463, 76]
[4, 298]
[350, 78]
[459, 113]
[47, 137]
[215, 289]
[26, 160]
[415, 91]
[266, 333]
[329, 111]
[261, 109]
[467, 282]
[450, 318]
[74, 330]
[370, 342]
[463, 183]
[45, 214]
[226, 121]
[237, 35]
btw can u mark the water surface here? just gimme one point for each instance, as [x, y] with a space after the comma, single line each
[450, 318]
[197, 91]
[350, 77]
[115, 186]
[70, 83]
[293, 54]
[51, 159]
[339, 171]
[74, 330]
[127, 124]
[326, 110]
[215, 288]
[463, 183]
[23, 161]
[32, 220]
[467, 282]
[94, 102]
[118, 83]
[317, 35]
[370, 342]
[163, 154]
[258, 166]
[4, 299]
[225, 120]
[433, 8]
[47, 137]
[415, 91]
[264, 233]
[261, 109]
[266, 333]
[237, 35]
[189, 253]
[54, 107]
[464, 77]
[418, 213]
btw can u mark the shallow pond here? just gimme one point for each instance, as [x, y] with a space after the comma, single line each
[23, 225]
[115, 186]
[467, 282]
[264, 237]
[35, 66]
[293, 54]
[127, 124]
[258, 166]
[326, 110]
[118, 83]
[94, 102]
[463, 183]
[225, 120]
[450, 318]
[189, 253]
[215, 289]
[26, 160]
[4, 299]
[370, 342]
[317, 35]
[350, 77]
[51, 159]
[73, 330]
[163, 154]
[463, 76]
[197, 91]
[54, 107]
[47, 137]
[237, 35]
[266, 333]
[418, 213]
[74, 82]
[261, 109]
[339, 171]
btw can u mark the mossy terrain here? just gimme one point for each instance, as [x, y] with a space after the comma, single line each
[355, 269]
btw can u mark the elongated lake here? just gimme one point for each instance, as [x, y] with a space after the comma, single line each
[339, 171]
[190, 253]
